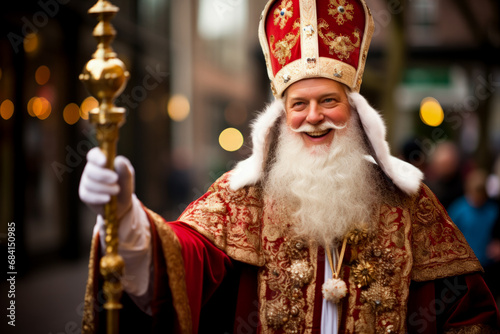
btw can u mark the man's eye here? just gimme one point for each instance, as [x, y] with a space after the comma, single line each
[298, 104]
[329, 100]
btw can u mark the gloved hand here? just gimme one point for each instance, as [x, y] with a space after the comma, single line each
[98, 183]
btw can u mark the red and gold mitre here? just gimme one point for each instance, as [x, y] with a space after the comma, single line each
[304, 39]
[315, 38]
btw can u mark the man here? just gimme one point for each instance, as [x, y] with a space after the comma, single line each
[319, 230]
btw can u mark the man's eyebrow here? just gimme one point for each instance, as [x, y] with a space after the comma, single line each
[299, 97]
[294, 98]
[331, 94]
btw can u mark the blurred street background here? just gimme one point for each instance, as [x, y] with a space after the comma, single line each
[198, 77]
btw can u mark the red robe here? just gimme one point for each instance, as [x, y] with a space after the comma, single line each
[231, 265]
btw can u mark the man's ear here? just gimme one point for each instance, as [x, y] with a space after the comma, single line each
[249, 172]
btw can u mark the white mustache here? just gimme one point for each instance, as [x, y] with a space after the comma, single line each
[327, 125]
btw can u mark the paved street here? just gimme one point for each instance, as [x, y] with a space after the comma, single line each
[49, 300]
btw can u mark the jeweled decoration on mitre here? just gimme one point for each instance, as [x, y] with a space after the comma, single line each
[283, 12]
[315, 38]
[341, 10]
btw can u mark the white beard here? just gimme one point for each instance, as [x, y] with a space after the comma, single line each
[329, 191]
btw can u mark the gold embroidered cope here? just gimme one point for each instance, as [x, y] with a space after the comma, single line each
[413, 241]
[382, 262]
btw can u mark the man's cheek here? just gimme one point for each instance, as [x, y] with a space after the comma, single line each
[294, 121]
[339, 117]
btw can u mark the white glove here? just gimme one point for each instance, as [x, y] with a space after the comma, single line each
[98, 183]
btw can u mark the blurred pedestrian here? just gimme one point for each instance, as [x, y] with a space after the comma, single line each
[476, 215]
[444, 175]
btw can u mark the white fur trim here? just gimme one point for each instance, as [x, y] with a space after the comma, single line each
[249, 171]
[404, 175]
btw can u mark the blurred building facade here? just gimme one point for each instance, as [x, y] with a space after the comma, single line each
[197, 70]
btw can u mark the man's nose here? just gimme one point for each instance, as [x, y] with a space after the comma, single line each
[314, 116]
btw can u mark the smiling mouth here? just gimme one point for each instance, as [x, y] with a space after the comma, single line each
[318, 134]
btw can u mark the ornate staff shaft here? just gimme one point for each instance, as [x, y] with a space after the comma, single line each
[105, 77]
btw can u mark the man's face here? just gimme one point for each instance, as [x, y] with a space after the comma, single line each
[311, 103]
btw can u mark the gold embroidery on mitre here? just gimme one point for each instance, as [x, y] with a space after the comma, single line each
[283, 13]
[341, 11]
[341, 45]
[282, 49]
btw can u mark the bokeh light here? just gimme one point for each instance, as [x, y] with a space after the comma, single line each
[42, 75]
[41, 108]
[231, 139]
[71, 113]
[30, 43]
[178, 108]
[87, 105]
[431, 112]
[6, 109]
[30, 106]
